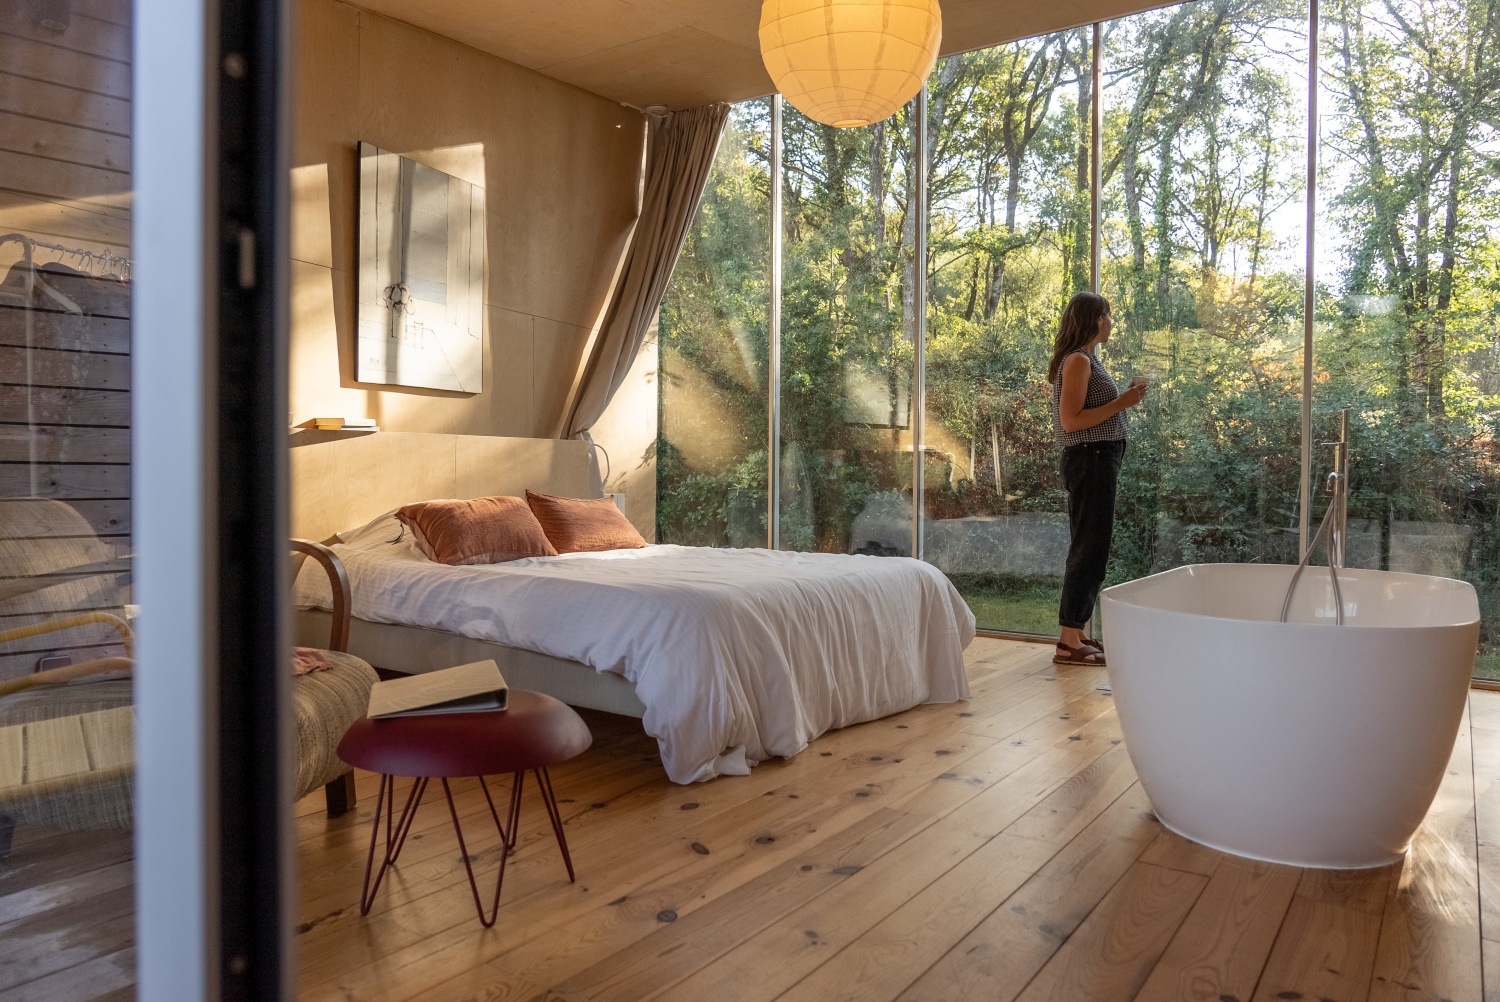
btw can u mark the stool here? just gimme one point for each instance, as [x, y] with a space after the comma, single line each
[534, 732]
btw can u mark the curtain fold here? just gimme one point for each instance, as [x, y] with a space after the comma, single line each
[679, 158]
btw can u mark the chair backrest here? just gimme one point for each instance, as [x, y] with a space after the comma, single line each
[53, 566]
[338, 578]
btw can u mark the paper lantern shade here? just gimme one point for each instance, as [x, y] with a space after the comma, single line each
[848, 63]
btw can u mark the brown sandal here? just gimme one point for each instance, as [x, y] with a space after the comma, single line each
[1083, 655]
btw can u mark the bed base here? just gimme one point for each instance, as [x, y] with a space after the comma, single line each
[412, 650]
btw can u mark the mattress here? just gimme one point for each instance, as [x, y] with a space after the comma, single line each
[738, 655]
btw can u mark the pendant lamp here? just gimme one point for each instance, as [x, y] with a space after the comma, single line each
[848, 63]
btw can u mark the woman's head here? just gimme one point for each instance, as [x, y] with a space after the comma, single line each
[1085, 321]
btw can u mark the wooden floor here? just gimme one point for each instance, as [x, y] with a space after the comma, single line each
[996, 849]
[67, 917]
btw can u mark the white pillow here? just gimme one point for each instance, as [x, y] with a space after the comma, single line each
[312, 590]
[381, 529]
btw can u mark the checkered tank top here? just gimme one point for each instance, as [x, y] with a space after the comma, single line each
[1102, 390]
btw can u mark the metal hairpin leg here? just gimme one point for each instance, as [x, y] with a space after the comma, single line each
[544, 780]
[395, 836]
[393, 841]
[507, 842]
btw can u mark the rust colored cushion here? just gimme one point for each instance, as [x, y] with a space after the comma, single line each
[576, 525]
[478, 531]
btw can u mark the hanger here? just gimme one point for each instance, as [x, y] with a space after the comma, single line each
[112, 266]
[35, 282]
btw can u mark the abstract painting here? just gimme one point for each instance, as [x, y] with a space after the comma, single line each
[421, 275]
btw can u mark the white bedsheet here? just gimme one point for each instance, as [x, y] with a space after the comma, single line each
[737, 655]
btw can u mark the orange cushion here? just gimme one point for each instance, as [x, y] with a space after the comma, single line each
[478, 531]
[576, 525]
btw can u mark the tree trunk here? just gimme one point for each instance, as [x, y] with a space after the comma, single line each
[997, 454]
[1437, 362]
[1082, 244]
[1012, 203]
[1161, 209]
[909, 303]
[877, 180]
[1262, 190]
[973, 290]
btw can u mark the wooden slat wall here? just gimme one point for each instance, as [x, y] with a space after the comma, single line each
[65, 179]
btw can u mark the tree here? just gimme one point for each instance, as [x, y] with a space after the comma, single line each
[1202, 216]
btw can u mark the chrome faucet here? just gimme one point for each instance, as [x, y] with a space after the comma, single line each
[1334, 524]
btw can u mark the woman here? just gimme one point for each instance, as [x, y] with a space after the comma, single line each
[1088, 416]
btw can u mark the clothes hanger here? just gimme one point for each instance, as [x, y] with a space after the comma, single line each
[110, 265]
[36, 282]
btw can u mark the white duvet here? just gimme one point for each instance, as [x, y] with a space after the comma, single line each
[737, 655]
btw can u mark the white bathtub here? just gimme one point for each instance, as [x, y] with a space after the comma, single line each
[1301, 742]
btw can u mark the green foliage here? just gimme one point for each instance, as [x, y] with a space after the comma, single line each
[1202, 254]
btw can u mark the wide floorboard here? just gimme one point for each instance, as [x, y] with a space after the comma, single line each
[995, 849]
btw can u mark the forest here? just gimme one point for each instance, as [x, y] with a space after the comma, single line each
[1202, 229]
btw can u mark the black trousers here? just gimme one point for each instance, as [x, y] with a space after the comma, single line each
[1090, 473]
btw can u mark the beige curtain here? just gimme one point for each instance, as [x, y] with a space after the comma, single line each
[679, 156]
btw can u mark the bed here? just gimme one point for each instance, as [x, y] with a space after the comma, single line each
[729, 657]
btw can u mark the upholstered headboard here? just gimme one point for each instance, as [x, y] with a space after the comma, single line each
[341, 480]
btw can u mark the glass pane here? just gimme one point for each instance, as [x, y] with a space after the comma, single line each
[66, 755]
[847, 324]
[1008, 245]
[1408, 245]
[1203, 259]
[712, 442]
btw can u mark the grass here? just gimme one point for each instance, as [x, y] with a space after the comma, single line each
[1029, 605]
[1015, 605]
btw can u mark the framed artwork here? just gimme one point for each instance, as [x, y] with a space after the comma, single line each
[420, 314]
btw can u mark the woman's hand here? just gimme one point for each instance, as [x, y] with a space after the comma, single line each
[1075, 383]
[1135, 392]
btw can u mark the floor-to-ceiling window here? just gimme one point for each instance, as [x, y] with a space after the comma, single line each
[67, 604]
[848, 315]
[1202, 216]
[712, 446]
[1408, 309]
[1009, 189]
[139, 644]
[1202, 246]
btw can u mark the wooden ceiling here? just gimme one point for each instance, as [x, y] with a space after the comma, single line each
[680, 53]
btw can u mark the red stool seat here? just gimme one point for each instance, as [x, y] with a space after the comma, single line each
[535, 731]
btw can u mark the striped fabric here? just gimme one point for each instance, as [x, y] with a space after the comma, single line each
[40, 537]
[324, 703]
[1102, 390]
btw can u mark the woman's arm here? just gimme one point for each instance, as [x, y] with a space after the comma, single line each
[1075, 389]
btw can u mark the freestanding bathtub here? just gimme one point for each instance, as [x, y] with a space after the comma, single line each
[1300, 742]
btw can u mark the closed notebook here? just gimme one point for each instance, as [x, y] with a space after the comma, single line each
[469, 688]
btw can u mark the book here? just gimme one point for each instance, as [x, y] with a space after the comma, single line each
[338, 424]
[471, 688]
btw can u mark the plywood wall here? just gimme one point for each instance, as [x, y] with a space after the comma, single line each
[627, 433]
[559, 167]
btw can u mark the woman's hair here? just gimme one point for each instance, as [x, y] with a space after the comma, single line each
[1080, 325]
